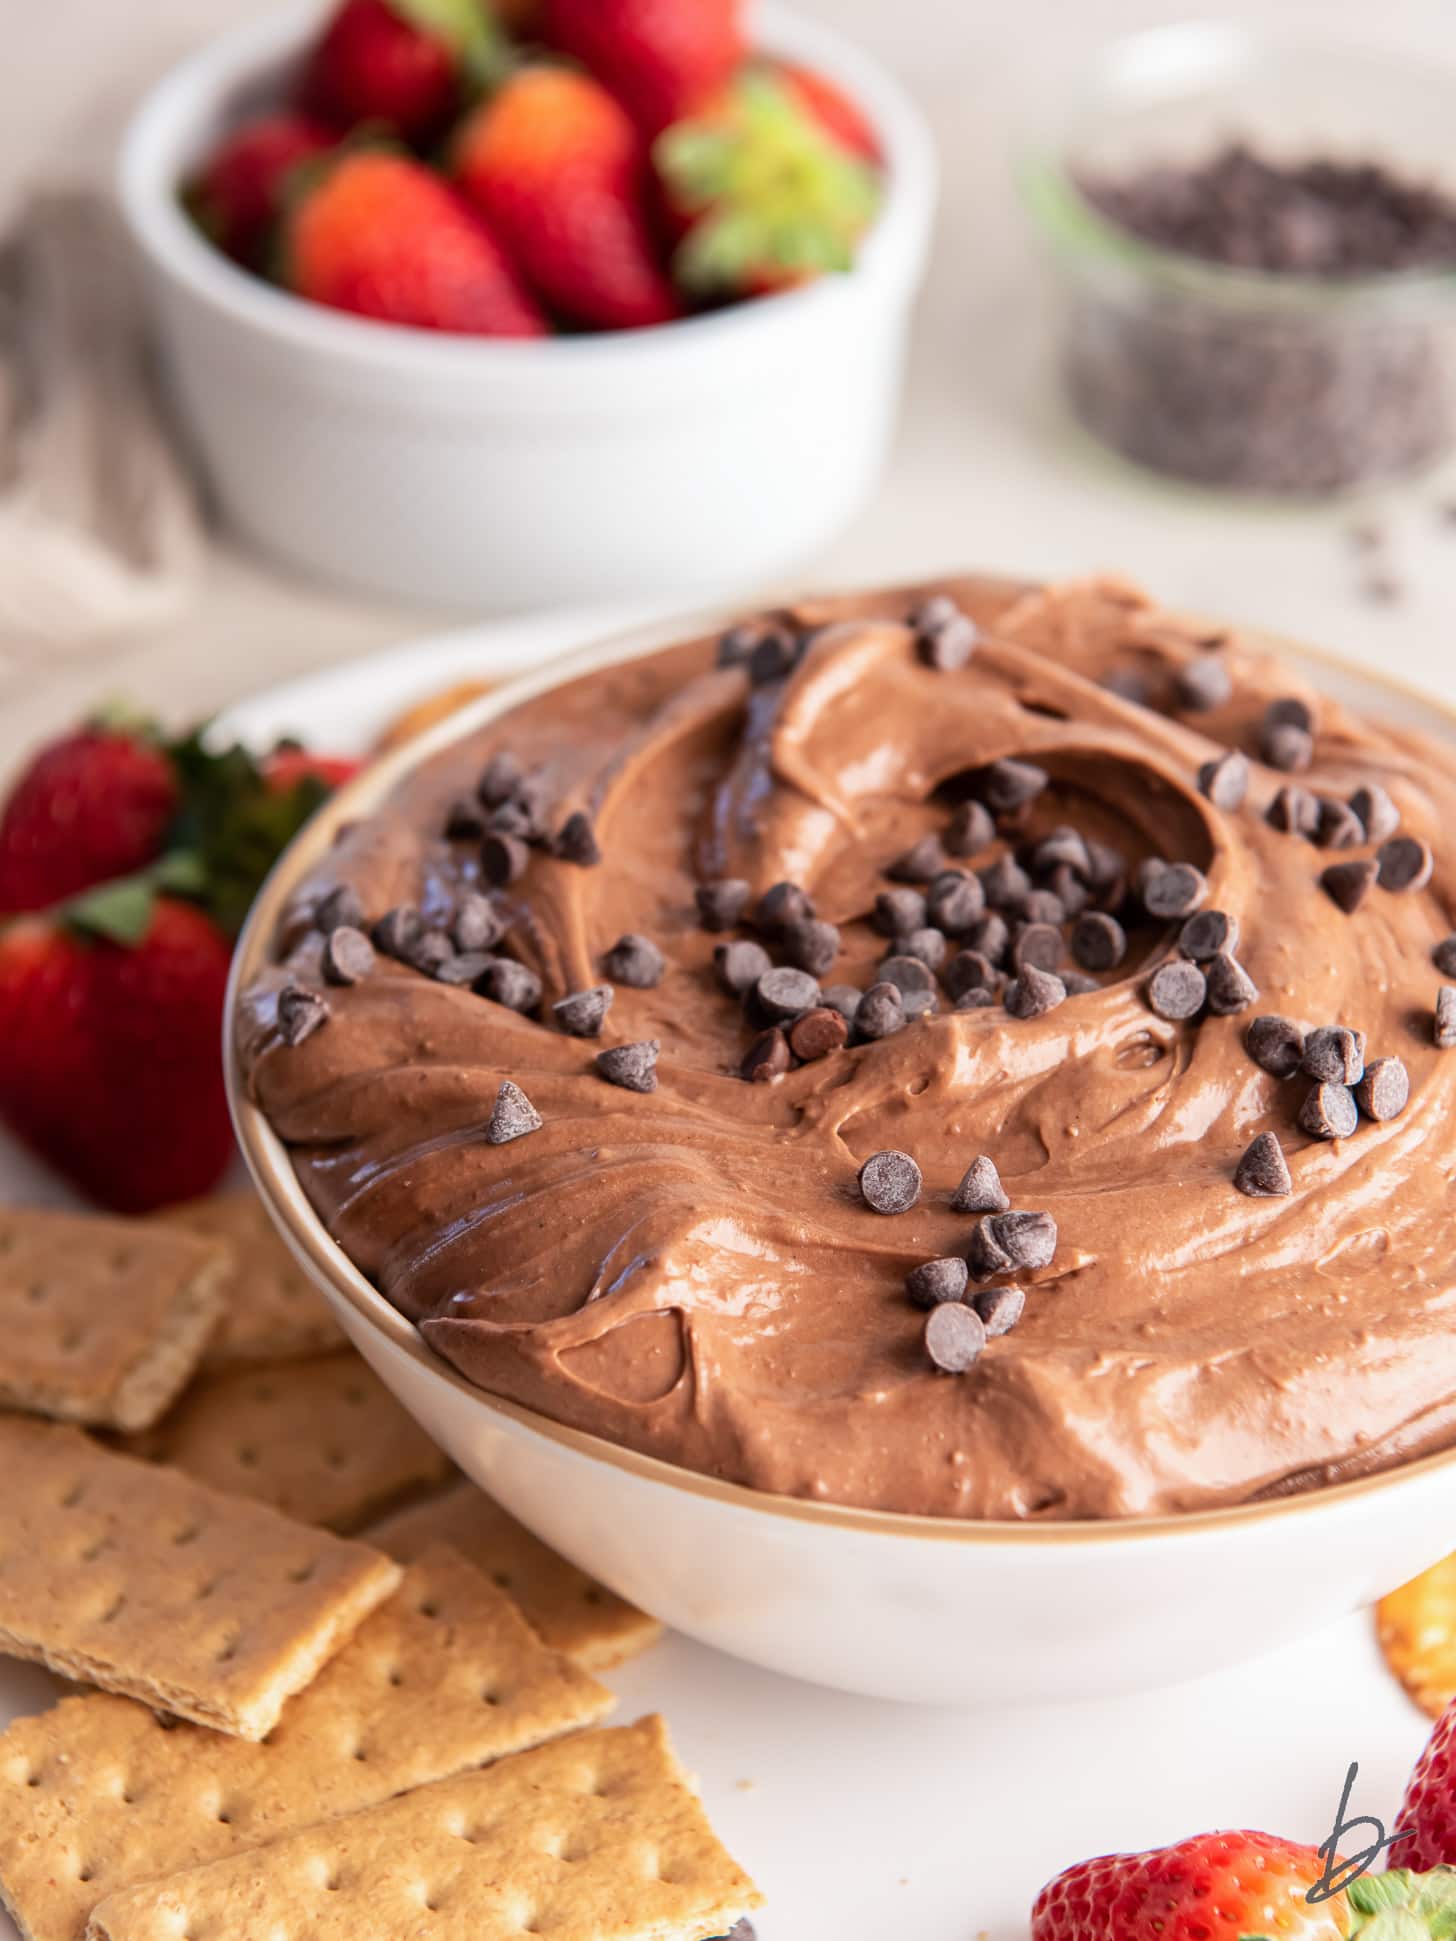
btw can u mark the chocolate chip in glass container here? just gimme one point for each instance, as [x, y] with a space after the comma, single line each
[1175, 890]
[576, 841]
[635, 961]
[1005, 883]
[499, 779]
[1065, 845]
[721, 905]
[811, 945]
[970, 831]
[633, 1067]
[954, 902]
[514, 985]
[779, 906]
[1225, 780]
[740, 965]
[818, 1032]
[1206, 933]
[1201, 684]
[1287, 748]
[1177, 991]
[1405, 863]
[1446, 1018]
[1040, 944]
[937, 1281]
[512, 1117]
[954, 1337]
[980, 1190]
[1230, 987]
[581, 1014]
[1295, 811]
[881, 1012]
[1348, 884]
[1000, 1308]
[348, 956]
[1263, 1172]
[340, 909]
[504, 859]
[398, 930]
[783, 993]
[1330, 1112]
[1339, 826]
[889, 1182]
[1033, 992]
[1377, 811]
[1099, 942]
[1275, 1045]
[300, 1013]
[1444, 956]
[1008, 785]
[1384, 1089]
[918, 864]
[767, 1058]
[1334, 1055]
[1028, 1241]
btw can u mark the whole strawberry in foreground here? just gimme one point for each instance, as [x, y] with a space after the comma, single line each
[661, 58]
[379, 235]
[95, 804]
[402, 65]
[1428, 1811]
[558, 171]
[238, 194]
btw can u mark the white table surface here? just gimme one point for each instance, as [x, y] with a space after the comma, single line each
[865, 1819]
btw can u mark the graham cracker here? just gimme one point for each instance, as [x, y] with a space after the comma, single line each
[133, 1578]
[272, 1311]
[571, 1611]
[1416, 1628]
[104, 1321]
[595, 1838]
[321, 1440]
[96, 1795]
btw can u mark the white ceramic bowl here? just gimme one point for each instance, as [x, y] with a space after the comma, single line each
[901, 1607]
[495, 475]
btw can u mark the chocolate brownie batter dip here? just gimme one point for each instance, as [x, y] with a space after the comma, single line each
[973, 1050]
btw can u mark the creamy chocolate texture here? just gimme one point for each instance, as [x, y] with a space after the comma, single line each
[693, 1271]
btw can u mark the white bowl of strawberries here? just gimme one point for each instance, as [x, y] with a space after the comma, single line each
[607, 301]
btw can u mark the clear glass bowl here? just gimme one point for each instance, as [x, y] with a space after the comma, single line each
[1248, 379]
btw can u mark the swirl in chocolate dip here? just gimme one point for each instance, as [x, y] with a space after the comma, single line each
[681, 1256]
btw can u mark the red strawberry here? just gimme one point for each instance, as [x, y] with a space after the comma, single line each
[762, 196]
[111, 1060]
[93, 805]
[558, 170]
[237, 195]
[662, 58]
[1429, 1805]
[382, 236]
[1217, 1887]
[833, 109]
[404, 64]
[287, 767]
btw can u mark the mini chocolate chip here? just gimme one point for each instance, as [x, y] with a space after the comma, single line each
[935, 610]
[1263, 1172]
[1444, 956]
[1334, 1055]
[340, 909]
[779, 906]
[783, 993]
[1348, 884]
[398, 930]
[512, 1116]
[581, 1014]
[737, 644]
[947, 642]
[976, 999]
[954, 1337]
[818, 1032]
[936, 1281]
[504, 859]
[499, 779]
[1177, 990]
[1446, 1018]
[1036, 943]
[348, 955]
[1290, 712]
[1287, 748]
[464, 820]
[767, 1057]
[920, 1004]
[881, 1012]
[740, 965]
[429, 950]
[300, 1013]
[1006, 786]
[635, 962]
[464, 968]
[1064, 845]
[1275, 1045]
[1376, 810]
[969, 970]
[1207, 933]
[1330, 1112]
[1024, 1240]
[1384, 1089]
[1070, 891]
[1230, 987]
[721, 905]
[980, 1191]
[513, 818]
[477, 923]
[1006, 884]
[889, 1182]
[1127, 684]
[1033, 993]
[898, 911]
[1109, 865]
[1043, 906]
[1339, 826]
[1174, 891]
[928, 945]
[1405, 863]
[633, 1067]
[954, 903]
[918, 864]
[1225, 780]
[906, 973]
[514, 985]
[843, 998]
[1000, 1308]
[774, 656]
[1078, 983]
[1202, 683]
[576, 841]
[1295, 811]
[990, 935]
[1099, 942]
[971, 830]
[811, 944]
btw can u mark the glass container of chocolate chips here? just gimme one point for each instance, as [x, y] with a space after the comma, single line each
[1254, 240]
